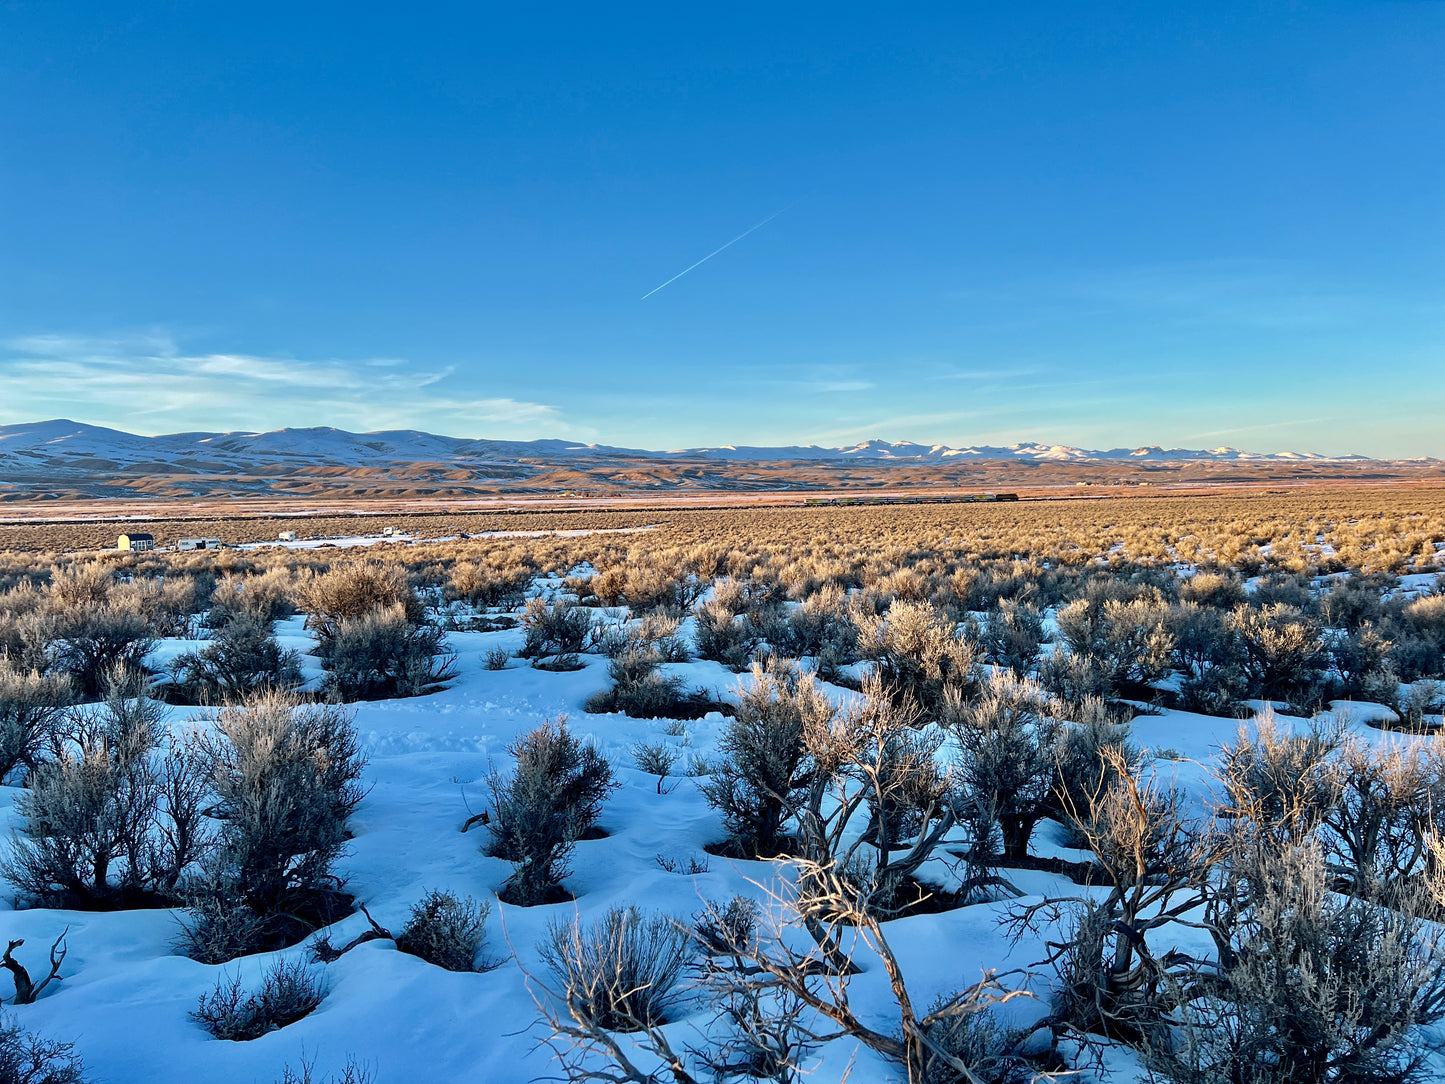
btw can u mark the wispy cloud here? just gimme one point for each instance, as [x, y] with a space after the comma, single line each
[988, 373]
[147, 381]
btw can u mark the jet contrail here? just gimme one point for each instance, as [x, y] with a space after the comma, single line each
[714, 252]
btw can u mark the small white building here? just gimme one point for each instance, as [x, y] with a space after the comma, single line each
[136, 542]
[286, 536]
[199, 544]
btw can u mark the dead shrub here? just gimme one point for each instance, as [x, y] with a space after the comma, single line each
[877, 802]
[1115, 972]
[353, 1072]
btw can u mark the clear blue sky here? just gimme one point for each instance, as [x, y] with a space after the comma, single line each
[1094, 224]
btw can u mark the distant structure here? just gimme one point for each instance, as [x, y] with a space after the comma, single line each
[286, 536]
[135, 542]
[199, 544]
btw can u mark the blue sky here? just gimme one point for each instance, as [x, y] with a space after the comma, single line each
[1100, 225]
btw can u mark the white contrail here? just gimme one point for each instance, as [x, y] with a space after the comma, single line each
[713, 253]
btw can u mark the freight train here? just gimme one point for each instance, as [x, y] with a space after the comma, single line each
[971, 498]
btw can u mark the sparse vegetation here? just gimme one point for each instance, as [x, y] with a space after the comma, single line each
[904, 698]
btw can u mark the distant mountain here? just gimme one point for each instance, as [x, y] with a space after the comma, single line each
[58, 461]
[74, 442]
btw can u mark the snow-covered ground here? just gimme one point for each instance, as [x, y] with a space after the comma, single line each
[127, 991]
[353, 541]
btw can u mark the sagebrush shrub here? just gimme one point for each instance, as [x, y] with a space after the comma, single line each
[31, 705]
[919, 653]
[90, 643]
[554, 794]
[1384, 807]
[114, 817]
[1008, 738]
[1316, 986]
[990, 1050]
[558, 628]
[289, 992]
[384, 654]
[1092, 750]
[1212, 589]
[286, 775]
[723, 636]
[1283, 651]
[355, 590]
[446, 930]
[265, 597]
[759, 779]
[1011, 636]
[241, 659]
[1282, 780]
[821, 628]
[624, 972]
[640, 689]
[483, 584]
[1130, 640]
[86, 585]
[26, 1058]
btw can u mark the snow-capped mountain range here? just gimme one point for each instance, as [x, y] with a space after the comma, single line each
[64, 444]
